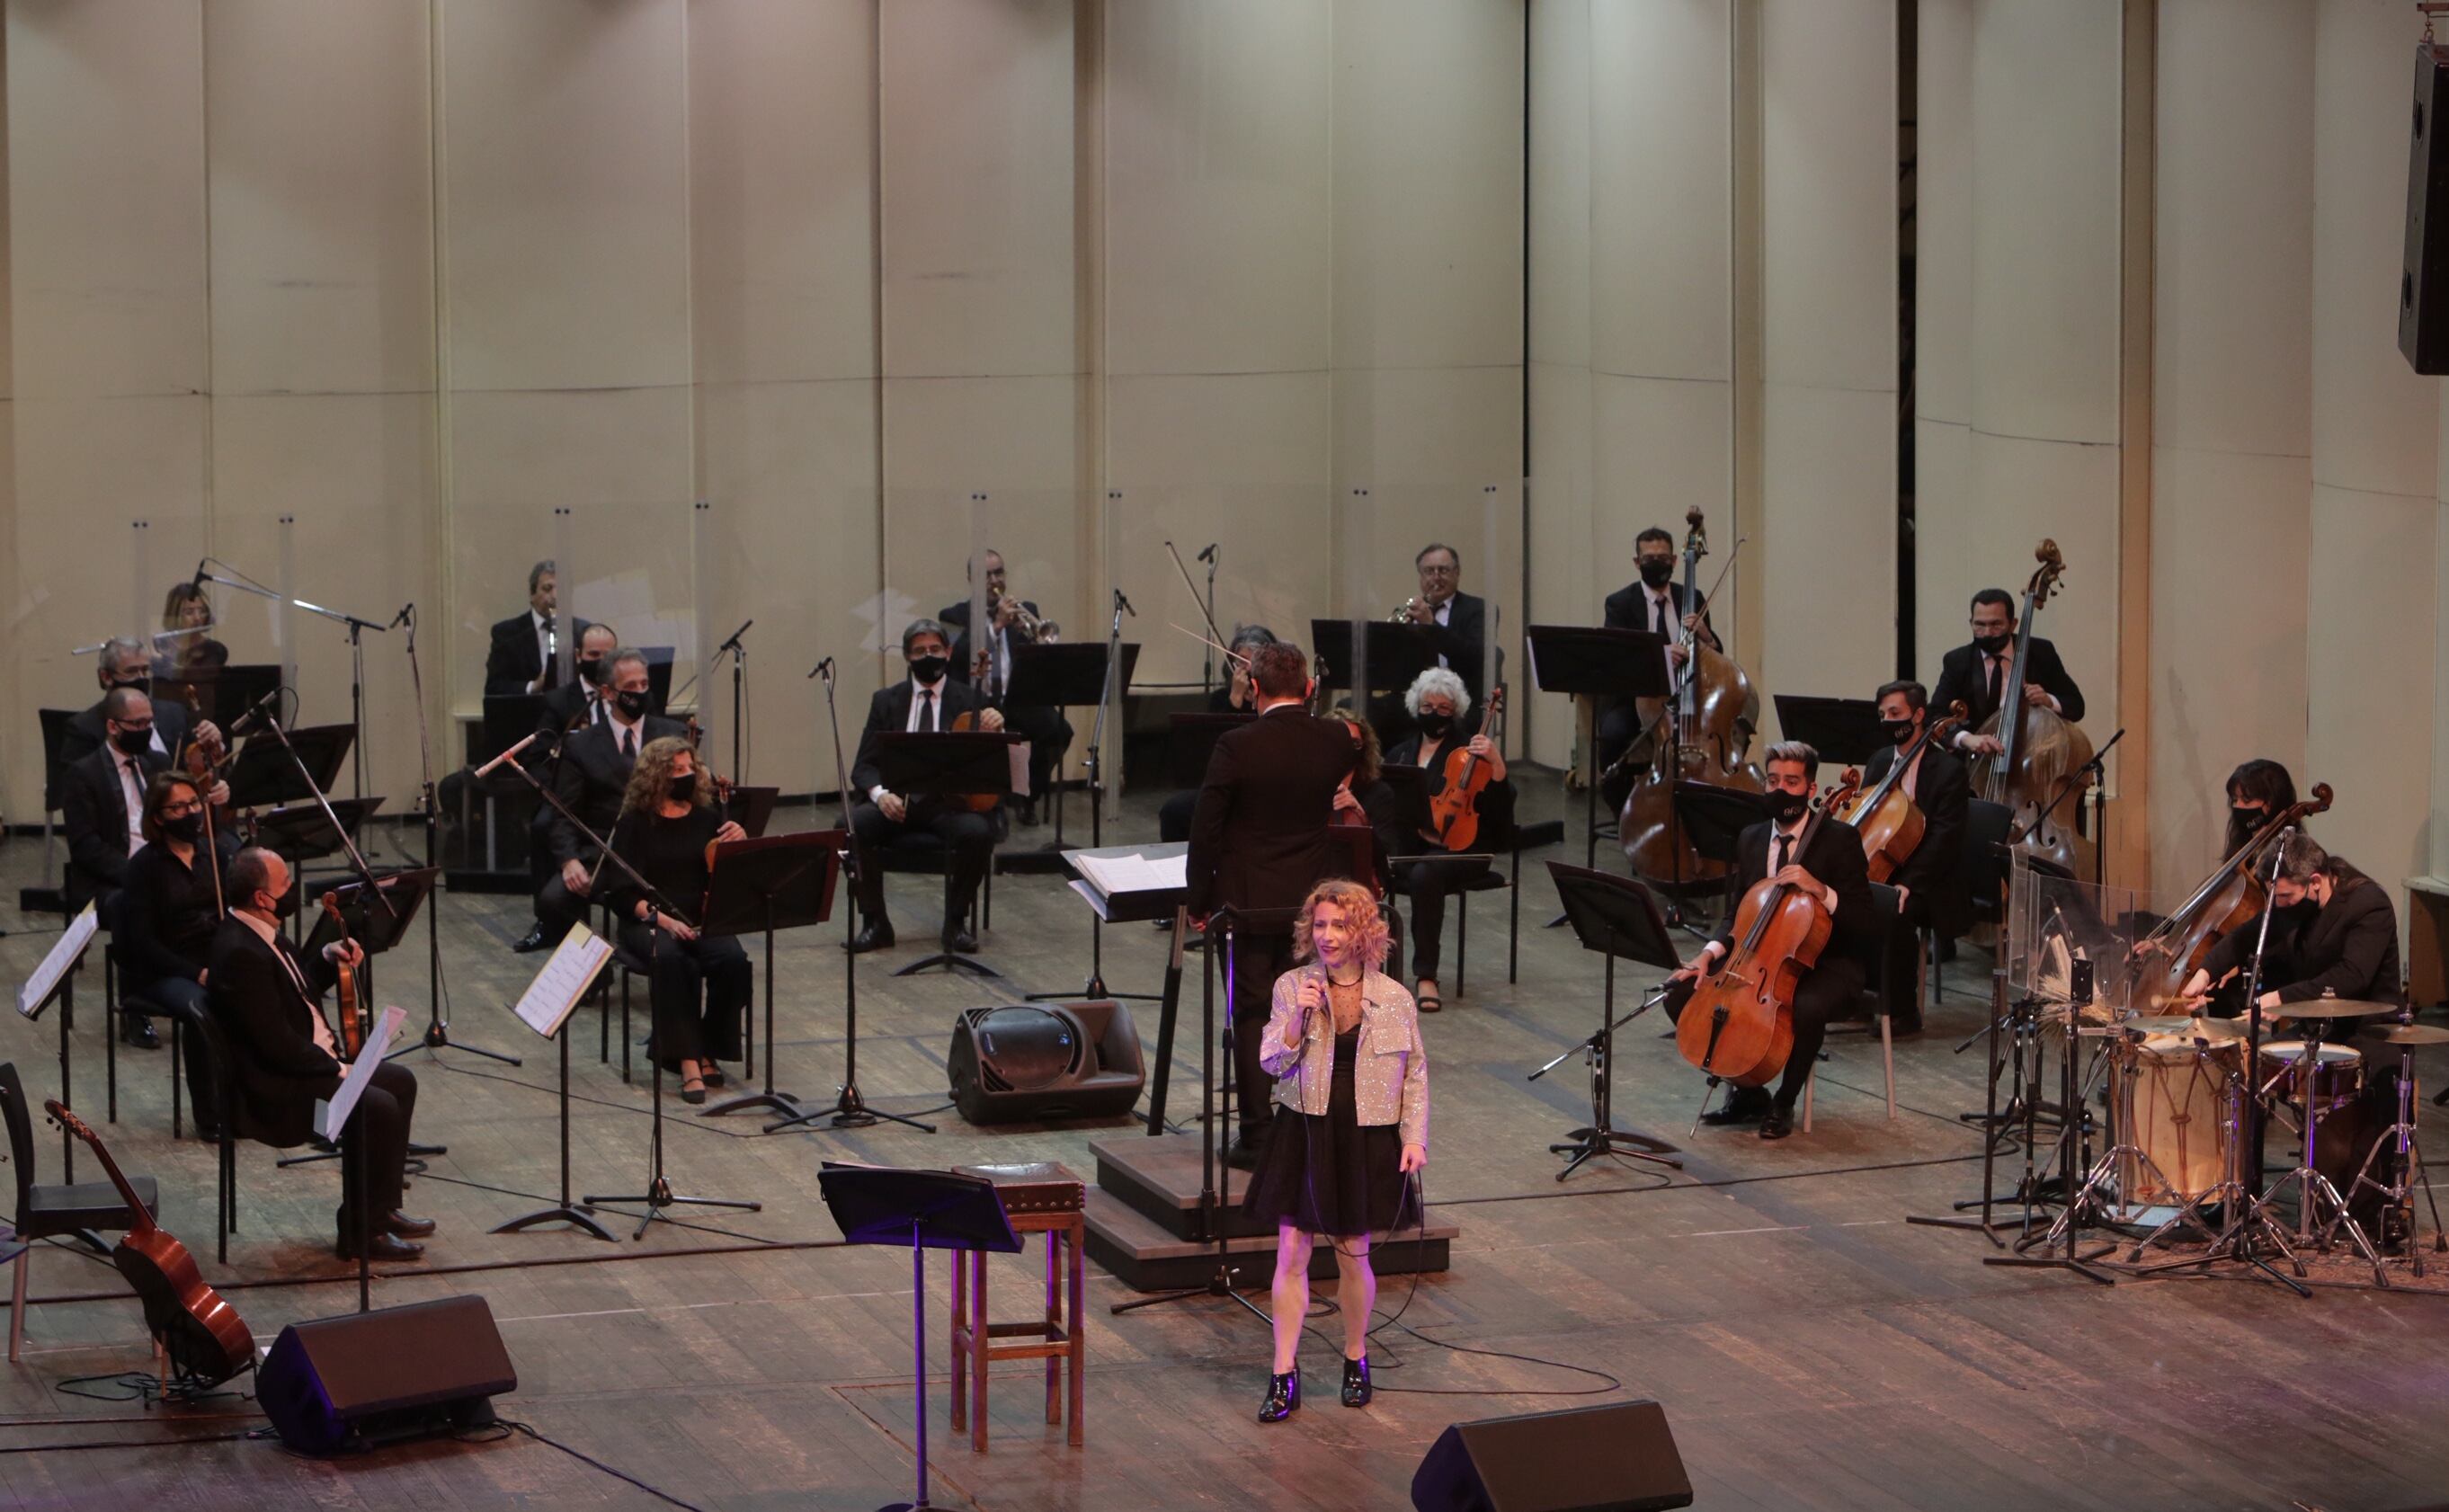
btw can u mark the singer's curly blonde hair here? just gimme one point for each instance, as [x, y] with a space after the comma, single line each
[1358, 905]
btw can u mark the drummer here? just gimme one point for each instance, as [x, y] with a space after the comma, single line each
[2344, 945]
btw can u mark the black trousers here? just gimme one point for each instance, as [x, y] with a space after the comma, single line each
[380, 1125]
[1619, 726]
[699, 990]
[557, 907]
[1256, 961]
[1050, 736]
[1899, 975]
[1828, 991]
[1430, 883]
[970, 836]
[184, 999]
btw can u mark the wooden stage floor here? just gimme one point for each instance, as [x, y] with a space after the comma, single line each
[1812, 1351]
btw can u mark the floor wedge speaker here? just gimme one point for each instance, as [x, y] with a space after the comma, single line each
[369, 1378]
[1617, 1458]
[1043, 1062]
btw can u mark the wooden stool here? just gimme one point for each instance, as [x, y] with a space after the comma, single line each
[1044, 1197]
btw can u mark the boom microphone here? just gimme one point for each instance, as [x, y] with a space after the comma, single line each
[487, 769]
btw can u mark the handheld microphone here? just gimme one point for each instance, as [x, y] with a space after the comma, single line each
[253, 715]
[488, 768]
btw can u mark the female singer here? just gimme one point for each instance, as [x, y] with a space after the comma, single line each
[1344, 1043]
[186, 608]
[164, 918]
[667, 821]
[1438, 702]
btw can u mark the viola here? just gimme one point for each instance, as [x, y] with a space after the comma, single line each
[2229, 899]
[200, 1332]
[352, 1017]
[2039, 748]
[1739, 1026]
[1891, 823]
[1454, 813]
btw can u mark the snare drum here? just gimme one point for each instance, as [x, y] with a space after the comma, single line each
[2329, 1082]
[2181, 1122]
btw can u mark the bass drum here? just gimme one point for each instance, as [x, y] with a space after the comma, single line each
[2182, 1121]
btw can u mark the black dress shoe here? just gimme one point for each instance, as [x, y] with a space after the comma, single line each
[1357, 1390]
[402, 1226]
[1779, 1123]
[531, 941]
[1028, 812]
[1242, 1154]
[1745, 1105]
[876, 935]
[136, 1034]
[1283, 1396]
[380, 1247]
[961, 939]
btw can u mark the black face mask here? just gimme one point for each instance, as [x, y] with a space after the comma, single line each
[683, 786]
[1990, 645]
[1786, 806]
[1899, 731]
[1436, 725]
[631, 703]
[2245, 821]
[185, 829]
[1657, 574]
[590, 669]
[139, 684]
[132, 742]
[930, 669]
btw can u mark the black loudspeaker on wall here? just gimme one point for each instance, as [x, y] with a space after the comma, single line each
[1040, 1062]
[2423, 282]
[1616, 1457]
[369, 1378]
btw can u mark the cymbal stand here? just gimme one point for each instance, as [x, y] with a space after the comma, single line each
[2315, 1193]
[2399, 1139]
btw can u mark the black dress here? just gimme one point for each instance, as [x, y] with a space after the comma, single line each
[1325, 1174]
[670, 855]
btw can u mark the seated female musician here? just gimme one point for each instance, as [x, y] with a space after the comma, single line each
[168, 907]
[186, 608]
[1439, 702]
[667, 822]
[2256, 790]
[1344, 1047]
[1233, 696]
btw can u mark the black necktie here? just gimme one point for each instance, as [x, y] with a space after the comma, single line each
[1997, 673]
[1658, 615]
[1784, 843]
[629, 745]
[927, 714]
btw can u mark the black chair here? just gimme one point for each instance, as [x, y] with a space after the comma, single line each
[923, 850]
[56, 1211]
[117, 1008]
[236, 1125]
[1884, 907]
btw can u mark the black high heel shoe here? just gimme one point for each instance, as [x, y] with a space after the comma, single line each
[1283, 1396]
[1357, 1390]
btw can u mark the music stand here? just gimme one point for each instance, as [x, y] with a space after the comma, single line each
[376, 931]
[1398, 654]
[1715, 818]
[942, 764]
[1845, 731]
[752, 809]
[1060, 676]
[780, 882]
[509, 717]
[303, 833]
[925, 1210]
[1596, 661]
[56, 978]
[1132, 906]
[264, 774]
[559, 987]
[1616, 916]
[1190, 740]
[224, 692]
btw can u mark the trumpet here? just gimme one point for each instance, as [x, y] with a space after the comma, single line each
[1040, 630]
[1402, 614]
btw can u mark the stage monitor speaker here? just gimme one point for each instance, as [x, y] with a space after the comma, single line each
[1617, 1458]
[2423, 282]
[1045, 1061]
[369, 1378]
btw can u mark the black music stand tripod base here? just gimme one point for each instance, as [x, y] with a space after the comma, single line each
[780, 882]
[1614, 916]
[576, 1216]
[944, 764]
[659, 1193]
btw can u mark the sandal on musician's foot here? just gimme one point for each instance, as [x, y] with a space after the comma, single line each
[693, 1090]
[1283, 1396]
[1427, 997]
[1357, 1390]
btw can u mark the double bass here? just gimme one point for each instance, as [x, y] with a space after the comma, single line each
[1702, 731]
[2229, 899]
[1890, 821]
[1738, 1025]
[2038, 747]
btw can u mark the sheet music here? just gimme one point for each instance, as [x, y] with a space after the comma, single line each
[1135, 872]
[37, 988]
[333, 1116]
[1018, 755]
[564, 979]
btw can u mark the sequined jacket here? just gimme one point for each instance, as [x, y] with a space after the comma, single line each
[1390, 1080]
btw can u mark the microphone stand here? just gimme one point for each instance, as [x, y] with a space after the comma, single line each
[1096, 985]
[357, 665]
[1207, 658]
[738, 681]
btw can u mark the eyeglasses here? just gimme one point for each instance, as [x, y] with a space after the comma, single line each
[180, 809]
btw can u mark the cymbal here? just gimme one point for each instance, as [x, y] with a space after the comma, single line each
[2330, 1008]
[2414, 1034]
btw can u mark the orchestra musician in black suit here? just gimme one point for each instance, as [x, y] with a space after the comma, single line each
[586, 700]
[2333, 931]
[1456, 622]
[1976, 673]
[1655, 603]
[929, 698]
[126, 664]
[102, 798]
[525, 646]
[1829, 864]
[285, 1058]
[1011, 622]
[591, 780]
[1259, 843]
[1929, 885]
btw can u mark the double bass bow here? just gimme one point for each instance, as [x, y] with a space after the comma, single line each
[2039, 748]
[1891, 823]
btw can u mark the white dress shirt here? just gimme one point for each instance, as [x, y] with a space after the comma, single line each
[920, 695]
[545, 650]
[271, 937]
[1444, 616]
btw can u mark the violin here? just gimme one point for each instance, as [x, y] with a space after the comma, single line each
[352, 1026]
[1738, 1025]
[2039, 748]
[197, 1330]
[723, 787]
[1454, 813]
[1891, 823]
[2229, 899]
[1701, 733]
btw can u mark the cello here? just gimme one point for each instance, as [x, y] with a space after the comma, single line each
[2229, 899]
[1889, 819]
[1738, 1025]
[2037, 747]
[1701, 732]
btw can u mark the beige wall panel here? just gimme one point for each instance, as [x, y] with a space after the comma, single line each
[619, 459]
[978, 214]
[2226, 528]
[1660, 236]
[318, 142]
[356, 472]
[791, 475]
[781, 139]
[2372, 595]
[1427, 153]
[107, 186]
[2045, 221]
[565, 209]
[1439, 437]
[1242, 460]
[1560, 184]
[2375, 420]
[1218, 201]
[2035, 488]
[1952, 551]
[1565, 567]
[1943, 218]
[1661, 448]
[1829, 196]
[1829, 474]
